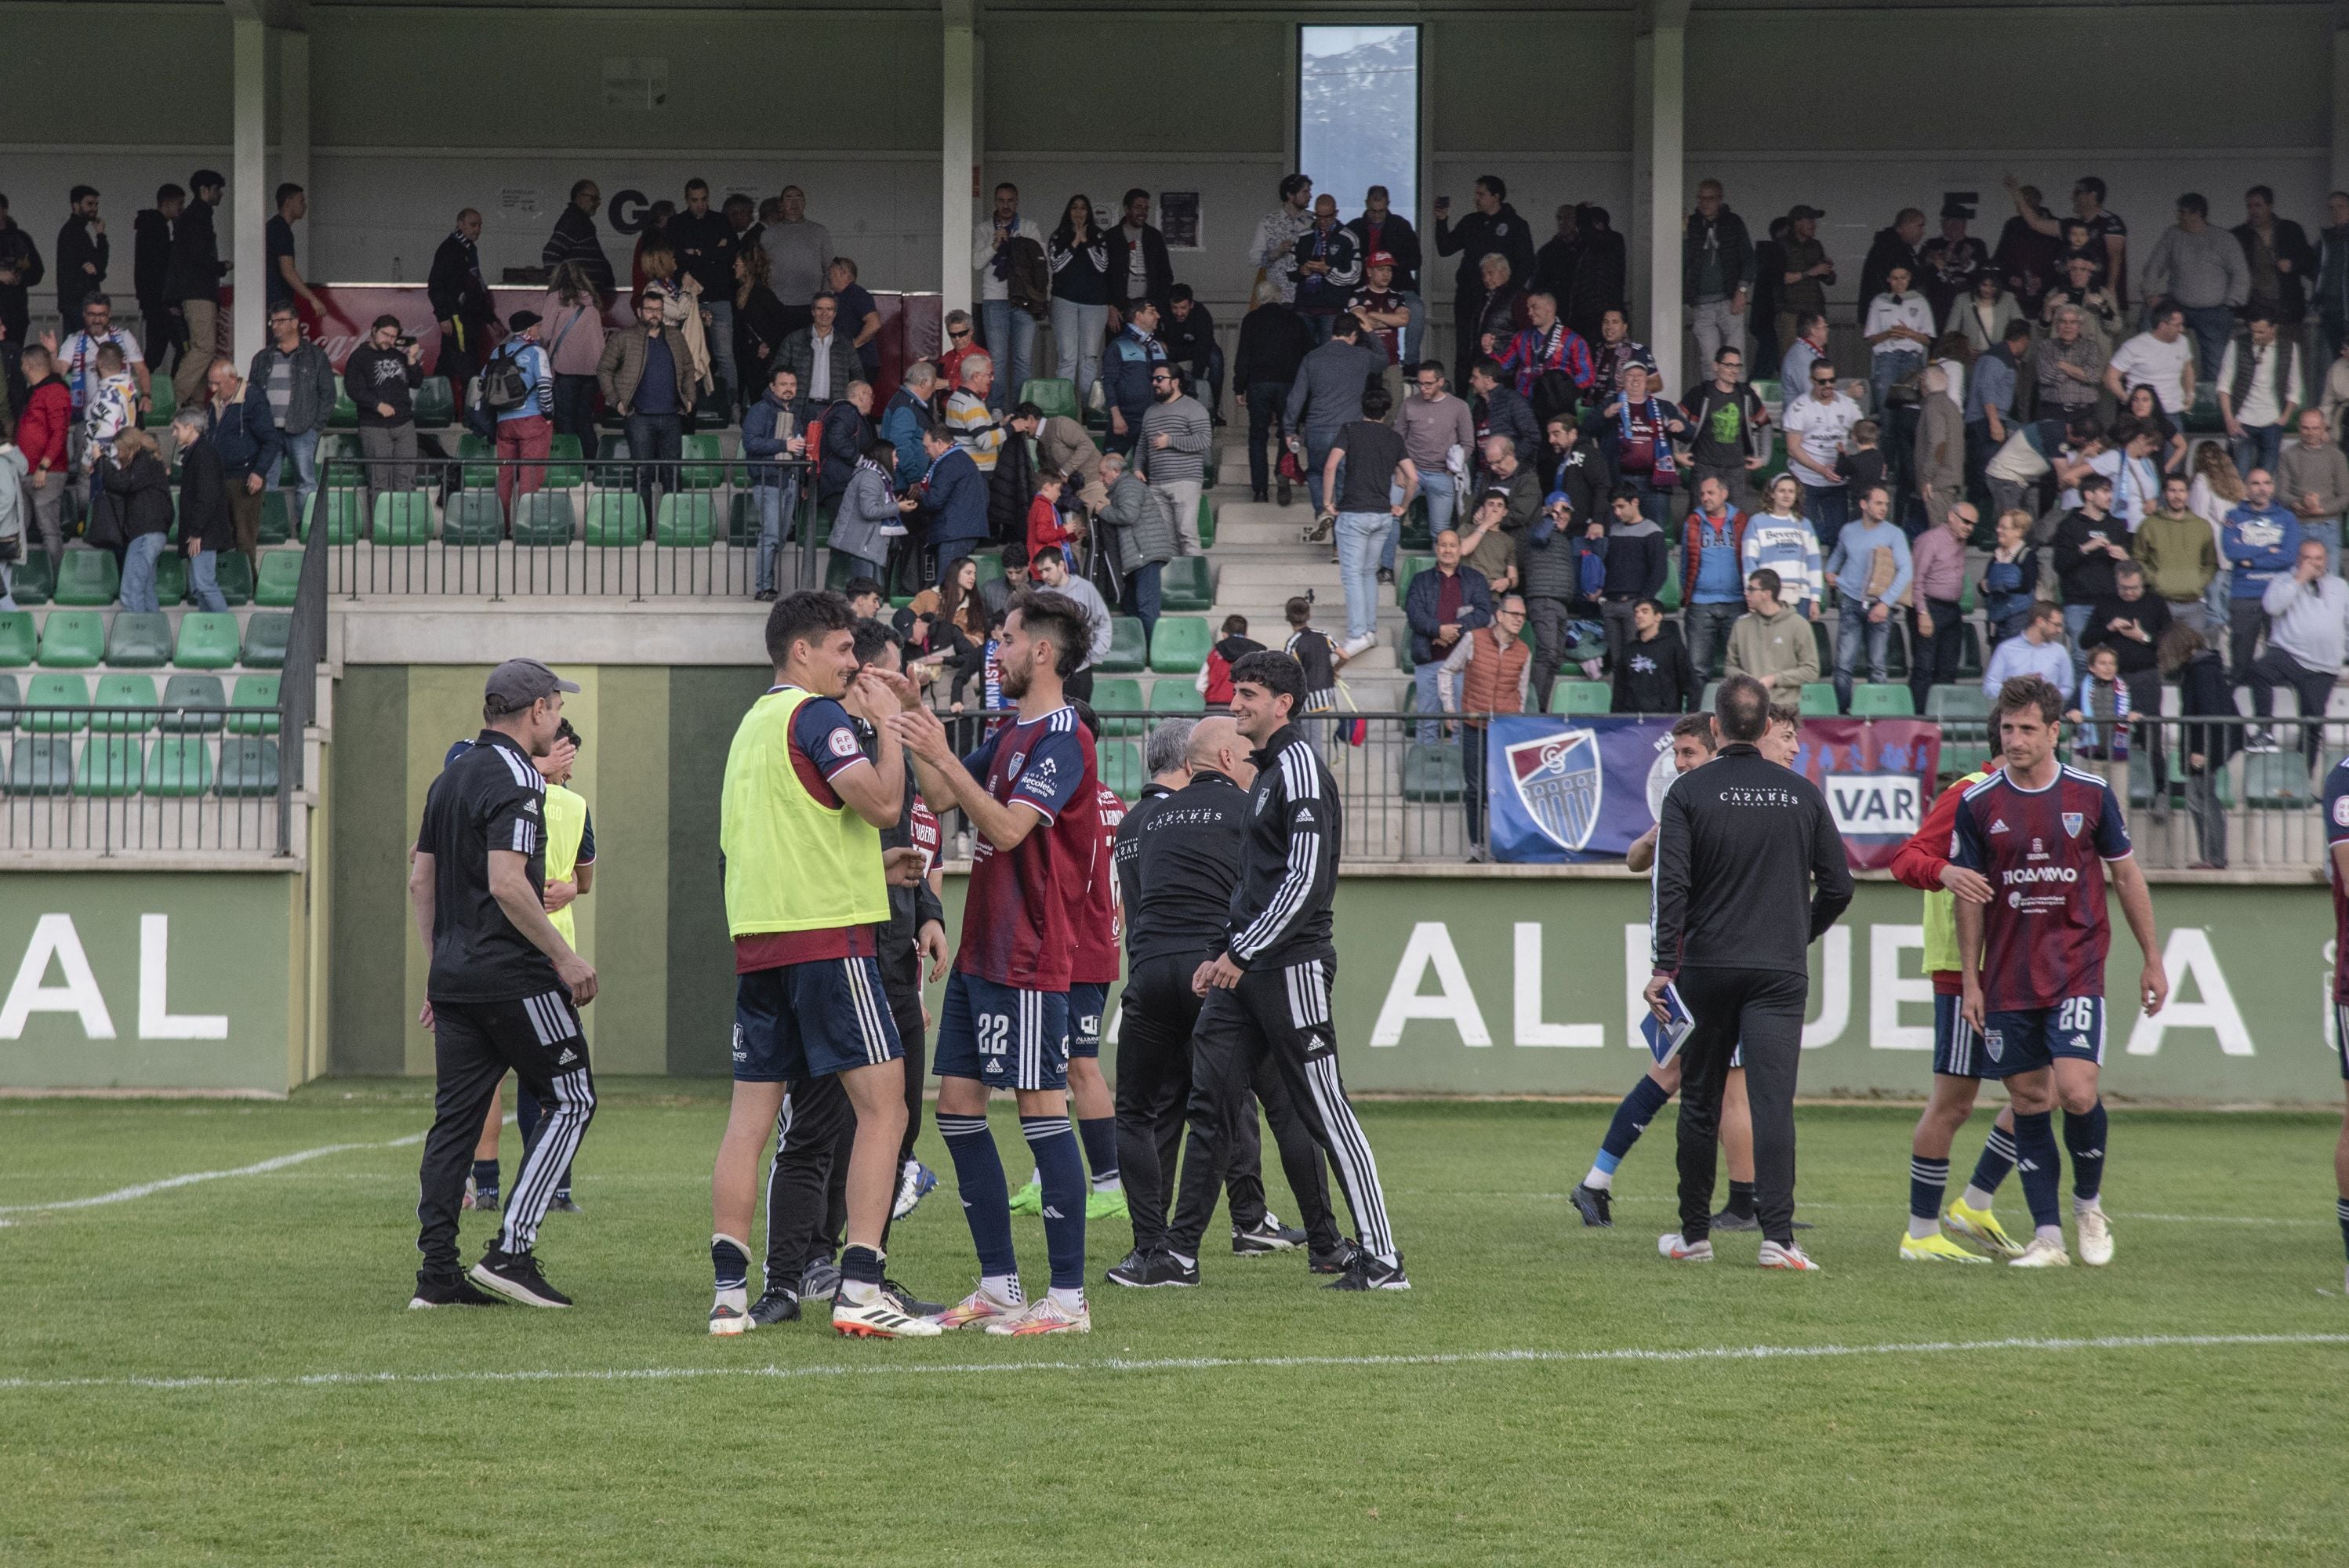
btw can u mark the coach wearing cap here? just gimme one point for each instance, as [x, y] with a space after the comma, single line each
[1747, 857]
[503, 989]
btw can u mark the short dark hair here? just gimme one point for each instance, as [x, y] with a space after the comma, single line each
[1424, 365]
[1496, 184]
[1029, 411]
[168, 191]
[879, 450]
[74, 196]
[809, 614]
[1376, 403]
[1625, 491]
[2167, 309]
[286, 192]
[2260, 312]
[2265, 193]
[2193, 201]
[1290, 184]
[2094, 483]
[1236, 626]
[860, 586]
[1637, 604]
[1347, 323]
[1060, 621]
[1050, 552]
[1697, 727]
[577, 187]
[1127, 200]
[2029, 692]
[2095, 187]
[1298, 611]
[1488, 368]
[1180, 293]
[696, 183]
[1279, 674]
[1768, 581]
[2016, 331]
[873, 636]
[1742, 708]
[1873, 487]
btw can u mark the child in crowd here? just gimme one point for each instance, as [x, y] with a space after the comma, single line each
[1322, 661]
[111, 408]
[1863, 464]
[1045, 528]
[1215, 678]
[2101, 710]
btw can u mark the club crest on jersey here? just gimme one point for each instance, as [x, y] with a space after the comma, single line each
[2072, 820]
[1560, 780]
[1994, 1043]
[842, 744]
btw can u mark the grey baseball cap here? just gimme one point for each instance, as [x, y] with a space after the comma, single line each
[518, 682]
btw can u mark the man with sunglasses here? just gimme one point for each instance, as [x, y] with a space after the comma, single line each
[1816, 427]
[1171, 450]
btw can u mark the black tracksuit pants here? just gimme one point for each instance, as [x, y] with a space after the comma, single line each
[807, 1185]
[1157, 1011]
[1278, 1015]
[1762, 1009]
[473, 1046]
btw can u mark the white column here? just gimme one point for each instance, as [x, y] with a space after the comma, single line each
[294, 121]
[957, 152]
[1658, 176]
[248, 190]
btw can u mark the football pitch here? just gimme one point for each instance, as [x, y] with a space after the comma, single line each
[222, 1369]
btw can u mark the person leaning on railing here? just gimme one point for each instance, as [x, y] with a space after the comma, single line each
[1492, 669]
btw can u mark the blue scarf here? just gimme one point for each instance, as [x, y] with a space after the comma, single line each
[1663, 475]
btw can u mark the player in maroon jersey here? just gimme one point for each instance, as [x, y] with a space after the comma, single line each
[2336, 863]
[2033, 957]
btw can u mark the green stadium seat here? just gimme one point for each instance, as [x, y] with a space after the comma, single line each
[1186, 583]
[41, 765]
[162, 403]
[1888, 700]
[546, 517]
[1179, 645]
[1119, 694]
[742, 520]
[1670, 599]
[688, 518]
[178, 765]
[615, 518]
[1431, 771]
[1176, 698]
[2203, 417]
[33, 580]
[87, 577]
[1051, 395]
[248, 765]
[704, 466]
[18, 639]
[126, 704]
[990, 563]
[233, 574]
[613, 450]
[1822, 643]
[253, 706]
[111, 765]
[1414, 534]
[55, 705]
[276, 518]
[1963, 714]
[436, 403]
[342, 511]
[479, 461]
[266, 635]
[1819, 700]
[566, 466]
[1128, 654]
[346, 413]
[72, 640]
[402, 517]
[171, 579]
[209, 640]
[182, 693]
[1120, 762]
[1581, 696]
[1207, 521]
[469, 517]
[139, 640]
[1969, 651]
[1712, 690]
[2276, 780]
[1408, 567]
[1896, 654]
[10, 699]
[280, 573]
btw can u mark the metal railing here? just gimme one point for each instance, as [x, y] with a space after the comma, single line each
[161, 778]
[495, 527]
[297, 688]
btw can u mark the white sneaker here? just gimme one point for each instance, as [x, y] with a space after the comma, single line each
[2042, 1253]
[1789, 1257]
[1354, 647]
[1671, 1245]
[2096, 1237]
[878, 1319]
[1045, 1315]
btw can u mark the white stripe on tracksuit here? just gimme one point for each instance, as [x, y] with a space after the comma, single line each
[1961, 1048]
[1357, 1170]
[558, 1143]
[869, 1023]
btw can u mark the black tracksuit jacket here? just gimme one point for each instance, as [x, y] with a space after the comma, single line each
[1742, 842]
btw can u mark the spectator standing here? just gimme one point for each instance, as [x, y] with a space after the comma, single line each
[1900, 329]
[1128, 365]
[653, 236]
[193, 282]
[1983, 313]
[41, 441]
[1492, 229]
[1382, 229]
[1171, 450]
[2260, 387]
[1601, 271]
[1772, 642]
[1064, 445]
[959, 348]
[969, 423]
[1550, 364]
[2313, 478]
[1816, 428]
[1636, 432]
[2130, 625]
[2100, 311]
[798, 255]
[1502, 412]
[1138, 265]
[151, 270]
[2277, 257]
[1504, 305]
[859, 314]
[1078, 253]
[1711, 580]
[845, 428]
[2009, 579]
[954, 498]
[2067, 367]
[1272, 348]
[2200, 270]
[136, 497]
[461, 301]
[2162, 358]
[1805, 349]
[2203, 693]
[76, 358]
[284, 267]
[704, 242]
[1656, 674]
[1639, 564]
[82, 251]
[1953, 265]
[1937, 459]
[2038, 651]
[1138, 527]
[1488, 670]
[2308, 624]
[1328, 396]
[298, 387]
[574, 238]
[248, 451]
[1366, 466]
[821, 354]
[1329, 269]
[381, 377]
[1383, 316]
[1769, 267]
[1783, 541]
[1869, 569]
[759, 324]
[1011, 488]
[574, 316]
[908, 415]
[1717, 267]
[21, 272]
[2028, 249]
[1188, 331]
[1006, 252]
[1894, 246]
[770, 435]
[1729, 429]
[1439, 434]
[206, 525]
[647, 379]
[2332, 281]
[1507, 505]
[1272, 251]
[2089, 542]
[1805, 274]
[2176, 548]
[870, 514]
[1554, 262]
[1937, 592]
[525, 429]
[1614, 348]
[1443, 603]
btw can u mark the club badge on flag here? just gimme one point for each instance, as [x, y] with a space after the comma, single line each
[1559, 782]
[1570, 791]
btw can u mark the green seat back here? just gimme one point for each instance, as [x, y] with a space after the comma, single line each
[346, 413]
[126, 704]
[233, 576]
[265, 638]
[1177, 697]
[182, 693]
[1822, 643]
[162, 402]
[1819, 700]
[1432, 771]
[545, 517]
[742, 520]
[281, 574]
[248, 765]
[18, 639]
[1179, 645]
[1119, 694]
[171, 579]
[688, 518]
[55, 705]
[479, 458]
[566, 469]
[1670, 599]
[1120, 762]
[208, 641]
[1127, 652]
[1581, 696]
[1712, 690]
[253, 706]
[402, 517]
[705, 466]
[1888, 700]
[33, 580]
[139, 640]
[471, 517]
[614, 450]
[40, 765]
[2277, 780]
[990, 563]
[341, 509]
[10, 698]
[1051, 395]
[110, 765]
[1207, 521]
[72, 639]
[435, 404]
[615, 518]
[87, 577]
[1408, 567]
[178, 765]
[276, 518]
[1186, 583]
[1969, 651]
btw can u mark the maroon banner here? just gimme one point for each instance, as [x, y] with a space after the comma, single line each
[1878, 774]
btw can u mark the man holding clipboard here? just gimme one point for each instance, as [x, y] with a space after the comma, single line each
[1746, 855]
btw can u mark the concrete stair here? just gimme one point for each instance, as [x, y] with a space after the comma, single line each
[1261, 561]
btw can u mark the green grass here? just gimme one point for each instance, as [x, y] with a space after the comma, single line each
[1182, 1430]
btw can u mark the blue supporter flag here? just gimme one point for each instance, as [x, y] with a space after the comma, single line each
[1571, 790]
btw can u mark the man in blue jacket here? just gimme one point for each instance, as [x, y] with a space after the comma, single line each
[769, 431]
[1125, 375]
[249, 448]
[1441, 606]
[2258, 543]
[908, 416]
[954, 498]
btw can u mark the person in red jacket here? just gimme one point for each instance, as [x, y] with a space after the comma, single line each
[41, 437]
[1045, 529]
[1924, 864]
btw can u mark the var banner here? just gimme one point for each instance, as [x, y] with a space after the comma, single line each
[1878, 775]
[1574, 790]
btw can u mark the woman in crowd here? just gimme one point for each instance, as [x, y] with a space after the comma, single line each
[2146, 409]
[1982, 315]
[572, 318]
[760, 321]
[1079, 254]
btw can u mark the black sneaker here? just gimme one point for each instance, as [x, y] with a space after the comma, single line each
[564, 1203]
[1366, 1273]
[907, 1304]
[1267, 1235]
[778, 1305]
[1284, 490]
[446, 1290]
[764, 596]
[1594, 1204]
[1728, 1221]
[1386, 575]
[515, 1276]
[1259, 495]
[1149, 1271]
[820, 1281]
[484, 1200]
[1334, 1262]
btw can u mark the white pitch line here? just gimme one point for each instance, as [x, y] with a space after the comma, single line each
[148, 1189]
[1203, 1363]
[1806, 1206]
